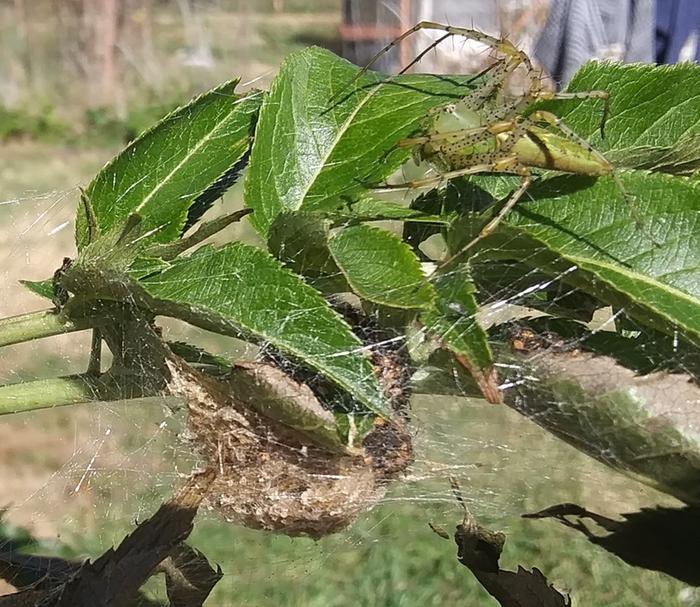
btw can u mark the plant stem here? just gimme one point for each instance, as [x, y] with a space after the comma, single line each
[45, 393]
[25, 327]
[62, 391]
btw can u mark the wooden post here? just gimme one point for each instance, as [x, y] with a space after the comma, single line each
[106, 47]
[406, 22]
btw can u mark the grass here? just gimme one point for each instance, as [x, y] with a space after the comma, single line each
[390, 557]
[21, 123]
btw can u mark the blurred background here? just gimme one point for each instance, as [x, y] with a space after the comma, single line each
[98, 68]
[107, 67]
[80, 78]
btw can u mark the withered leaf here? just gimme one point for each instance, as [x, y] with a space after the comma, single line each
[115, 578]
[479, 549]
[189, 578]
[661, 539]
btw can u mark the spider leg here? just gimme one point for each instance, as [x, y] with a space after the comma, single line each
[457, 492]
[462, 136]
[513, 57]
[555, 121]
[501, 45]
[443, 178]
[423, 53]
[604, 95]
[491, 225]
[476, 99]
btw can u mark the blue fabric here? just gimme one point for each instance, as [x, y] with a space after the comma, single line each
[579, 30]
[676, 20]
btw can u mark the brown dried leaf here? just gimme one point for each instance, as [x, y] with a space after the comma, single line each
[479, 549]
[661, 539]
[189, 578]
[114, 579]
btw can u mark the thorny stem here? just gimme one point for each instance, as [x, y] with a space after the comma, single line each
[35, 325]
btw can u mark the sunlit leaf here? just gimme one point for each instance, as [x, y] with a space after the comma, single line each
[453, 319]
[161, 173]
[324, 137]
[381, 268]
[588, 237]
[654, 114]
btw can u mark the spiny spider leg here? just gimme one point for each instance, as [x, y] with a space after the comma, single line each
[513, 56]
[501, 160]
[488, 131]
[596, 94]
[501, 165]
[555, 121]
[422, 54]
[504, 46]
[439, 531]
[472, 135]
[477, 98]
[491, 225]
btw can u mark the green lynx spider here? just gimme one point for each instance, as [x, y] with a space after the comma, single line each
[489, 132]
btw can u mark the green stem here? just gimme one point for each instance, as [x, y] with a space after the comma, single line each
[45, 393]
[62, 391]
[25, 327]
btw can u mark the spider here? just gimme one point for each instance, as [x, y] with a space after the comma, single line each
[489, 132]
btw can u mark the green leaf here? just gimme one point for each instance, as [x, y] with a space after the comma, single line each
[241, 289]
[453, 319]
[643, 425]
[381, 268]
[300, 241]
[43, 288]
[143, 266]
[653, 122]
[638, 249]
[323, 137]
[654, 114]
[160, 174]
[373, 209]
[588, 237]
